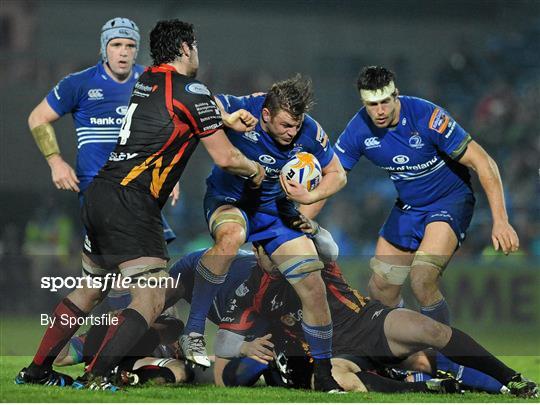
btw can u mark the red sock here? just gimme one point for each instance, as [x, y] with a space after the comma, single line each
[58, 335]
[118, 341]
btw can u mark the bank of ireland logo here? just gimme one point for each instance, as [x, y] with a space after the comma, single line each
[415, 141]
[267, 159]
[372, 143]
[400, 159]
[95, 94]
[122, 110]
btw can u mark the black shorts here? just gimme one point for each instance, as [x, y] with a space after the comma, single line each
[122, 224]
[363, 340]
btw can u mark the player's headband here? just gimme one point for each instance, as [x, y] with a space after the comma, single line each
[374, 96]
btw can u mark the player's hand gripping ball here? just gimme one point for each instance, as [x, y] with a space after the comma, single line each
[303, 168]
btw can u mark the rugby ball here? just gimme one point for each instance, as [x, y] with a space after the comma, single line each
[303, 168]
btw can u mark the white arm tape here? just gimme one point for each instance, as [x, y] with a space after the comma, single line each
[326, 245]
[227, 344]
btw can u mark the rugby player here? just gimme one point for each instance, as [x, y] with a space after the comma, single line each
[97, 98]
[427, 155]
[367, 336]
[169, 113]
[236, 214]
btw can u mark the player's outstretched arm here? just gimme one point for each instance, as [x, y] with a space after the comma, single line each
[39, 121]
[333, 179]
[230, 159]
[503, 235]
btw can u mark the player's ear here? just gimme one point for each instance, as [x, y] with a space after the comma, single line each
[266, 115]
[185, 49]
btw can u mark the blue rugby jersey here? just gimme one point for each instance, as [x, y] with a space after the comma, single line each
[260, 147]
[239, 271]
[418, 153]
[98, 105]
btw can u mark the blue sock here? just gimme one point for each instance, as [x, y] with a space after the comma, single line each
[319, 339]
[242, 372]
[469, 376]
[205, 289]
[119, 299]
[438, 311]
[418, 376]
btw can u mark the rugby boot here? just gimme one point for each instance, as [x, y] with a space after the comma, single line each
[444, 385]
[47, 377]
[94, 383]
[326, 383]
[123, 377]
[522, 387]
[194, 349]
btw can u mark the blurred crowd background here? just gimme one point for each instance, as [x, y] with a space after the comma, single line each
[479, 59]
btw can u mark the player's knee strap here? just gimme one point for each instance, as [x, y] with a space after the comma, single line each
[427, 259]
[93, 271]
[392, 273]
[299, 267]
[144, 270]
[227, 217]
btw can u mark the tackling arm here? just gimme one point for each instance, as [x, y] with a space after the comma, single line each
[230, 159]
[503, 235]
[39, 121]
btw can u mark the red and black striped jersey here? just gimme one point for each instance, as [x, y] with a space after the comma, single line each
[267, 303]
[167, 115]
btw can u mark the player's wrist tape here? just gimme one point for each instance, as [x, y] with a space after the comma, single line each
[46, 139]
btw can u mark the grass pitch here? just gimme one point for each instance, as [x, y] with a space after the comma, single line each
[517, 346]
[10, 392]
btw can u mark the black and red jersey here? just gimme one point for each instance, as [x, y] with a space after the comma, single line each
[267, 303]
[167, 115]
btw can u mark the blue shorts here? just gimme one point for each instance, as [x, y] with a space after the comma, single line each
[265, 225]
[406, 225]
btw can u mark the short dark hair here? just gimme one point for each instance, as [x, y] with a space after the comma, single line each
[294, 95]
[166, 40]
[374, 78]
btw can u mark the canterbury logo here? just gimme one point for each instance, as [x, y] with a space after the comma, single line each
[95, 94]
[372, 142]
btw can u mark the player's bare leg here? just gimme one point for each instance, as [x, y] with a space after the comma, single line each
[386, 280]
[408, 332]
[228, 228]
[349, 375]
[344, 372]
[303, 272]
[146, 304]
[77, 304]
[437, 247]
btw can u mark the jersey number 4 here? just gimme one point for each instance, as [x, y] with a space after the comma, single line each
[125, 131]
